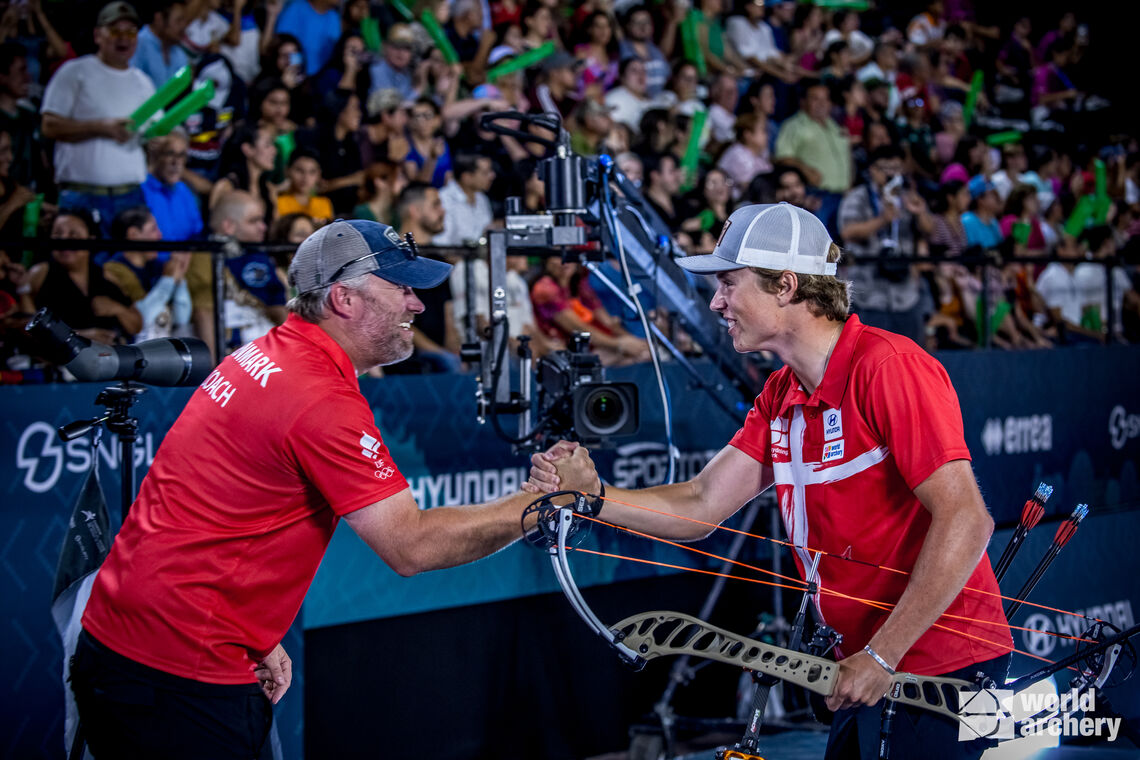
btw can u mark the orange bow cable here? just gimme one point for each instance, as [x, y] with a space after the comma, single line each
[803, 586]
[790, 545]
[762, 582]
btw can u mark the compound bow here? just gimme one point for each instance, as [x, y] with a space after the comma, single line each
[648, 635]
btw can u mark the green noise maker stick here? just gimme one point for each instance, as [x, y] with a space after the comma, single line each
[972, 98]
[435, 31]
[402, 9]
[170, 90]
[690, 44]
[693, 149]
[188, 105]
[518, 63]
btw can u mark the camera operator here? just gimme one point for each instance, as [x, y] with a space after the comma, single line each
[188, 611]
[879, 218]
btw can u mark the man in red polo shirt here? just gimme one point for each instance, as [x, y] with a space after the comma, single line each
[861, 434]
[181, 652]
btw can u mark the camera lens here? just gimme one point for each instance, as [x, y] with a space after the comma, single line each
[606, 411]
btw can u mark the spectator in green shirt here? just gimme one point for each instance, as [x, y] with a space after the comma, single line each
[812, 142]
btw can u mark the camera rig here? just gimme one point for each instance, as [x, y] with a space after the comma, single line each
[588, 200]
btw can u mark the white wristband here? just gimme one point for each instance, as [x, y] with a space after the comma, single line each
[875, 656]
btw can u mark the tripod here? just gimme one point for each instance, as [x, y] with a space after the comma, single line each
[118, 399]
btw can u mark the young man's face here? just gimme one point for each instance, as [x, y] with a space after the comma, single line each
[304, 175]
[431, 212]
[640, 26]
[249, 225]
[170, 25]
[669, 176]
[745, 307]
[791, 189]
[15, 81]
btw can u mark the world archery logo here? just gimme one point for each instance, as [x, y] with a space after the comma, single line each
[984, 714]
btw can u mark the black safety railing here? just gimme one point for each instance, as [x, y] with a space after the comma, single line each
[218, 248]
[221, 248]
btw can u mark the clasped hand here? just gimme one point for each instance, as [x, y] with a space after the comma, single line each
[565, 466]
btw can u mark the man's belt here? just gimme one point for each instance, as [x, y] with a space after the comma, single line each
[108, 190]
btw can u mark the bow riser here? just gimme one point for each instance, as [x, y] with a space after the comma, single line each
[662, 633]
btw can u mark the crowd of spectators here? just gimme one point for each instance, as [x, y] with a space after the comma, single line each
[928, 141]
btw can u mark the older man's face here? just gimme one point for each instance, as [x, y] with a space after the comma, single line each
[383, 321]
[817, 103]
[169, 160]
[117, 42]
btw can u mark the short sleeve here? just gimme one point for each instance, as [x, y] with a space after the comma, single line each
[755, 438]
[912, 407]
[851, 210]
[61, 92]
[786, 142]
[337, 446]
[548, 298]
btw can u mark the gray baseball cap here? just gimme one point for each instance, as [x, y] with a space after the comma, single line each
[769, 236]
[117, 11]
[346, 249]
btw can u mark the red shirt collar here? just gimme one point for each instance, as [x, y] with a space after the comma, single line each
[296, 327]
[834, 383]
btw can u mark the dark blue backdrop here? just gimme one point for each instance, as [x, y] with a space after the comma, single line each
[1071, 418]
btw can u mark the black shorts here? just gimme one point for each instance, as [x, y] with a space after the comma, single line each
[916, 733]
[130, 710]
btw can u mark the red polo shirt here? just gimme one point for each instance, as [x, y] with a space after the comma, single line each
[846, 461]
[234, 515]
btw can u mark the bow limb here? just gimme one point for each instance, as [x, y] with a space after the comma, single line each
[565, 520]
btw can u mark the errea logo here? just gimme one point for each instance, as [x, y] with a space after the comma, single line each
[1018, 435]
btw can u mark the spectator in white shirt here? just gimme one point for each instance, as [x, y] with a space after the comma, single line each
[629, 101]
[884, 67]
[752, 38]
[638, 43]
[1061, 292]
[466, 205]
[724, 96]
[208, 30]
[927, 27]
[859, 45]
[99, 164]
[1092, 282]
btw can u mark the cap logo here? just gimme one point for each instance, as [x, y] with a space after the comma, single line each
[392, 235]
[723, 230]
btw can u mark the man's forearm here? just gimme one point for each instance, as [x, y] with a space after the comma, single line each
[950, 552]
[862, 230]
[450, 536]
[56, 127]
